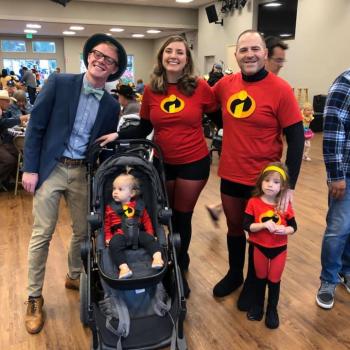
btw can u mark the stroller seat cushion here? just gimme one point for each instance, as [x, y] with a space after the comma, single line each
[139, 261]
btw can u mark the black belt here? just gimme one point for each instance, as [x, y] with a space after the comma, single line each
[72, 162]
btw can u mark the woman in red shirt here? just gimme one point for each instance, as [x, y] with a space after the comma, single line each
[173, 105]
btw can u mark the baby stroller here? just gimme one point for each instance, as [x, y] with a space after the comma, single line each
[146, 311]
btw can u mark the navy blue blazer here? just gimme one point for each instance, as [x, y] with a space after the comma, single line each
[52, 119]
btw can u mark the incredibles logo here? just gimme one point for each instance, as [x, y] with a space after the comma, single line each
[270, 215]
[241, 105]
[128, 211]
[172, 104]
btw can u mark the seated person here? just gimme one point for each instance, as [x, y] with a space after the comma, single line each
[8, 151]
[20, 105]
[124, 194]
[11, 87]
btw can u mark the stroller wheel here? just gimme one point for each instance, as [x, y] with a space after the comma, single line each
[84, 317]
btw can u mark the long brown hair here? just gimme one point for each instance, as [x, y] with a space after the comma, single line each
[187, 82]
[258, 192]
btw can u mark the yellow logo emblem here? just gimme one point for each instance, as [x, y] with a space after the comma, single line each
[129, 212]
[270, 215]
[241, 105]
[172, 104]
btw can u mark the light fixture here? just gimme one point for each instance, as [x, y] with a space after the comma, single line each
[31, 31]
[273, 4]
[183, 1]
[138, 35]
[33, 25]
[76, 28]
[118, 30]
[153, 31]
[68, 32]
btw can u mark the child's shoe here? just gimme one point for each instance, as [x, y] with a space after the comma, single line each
[157, 262]
[124, 272]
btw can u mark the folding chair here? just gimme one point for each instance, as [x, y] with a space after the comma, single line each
[18, 141]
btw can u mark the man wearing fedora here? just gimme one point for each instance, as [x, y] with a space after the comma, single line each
[71, 112]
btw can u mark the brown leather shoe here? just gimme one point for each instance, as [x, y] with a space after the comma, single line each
[35, 317]
[72, 283]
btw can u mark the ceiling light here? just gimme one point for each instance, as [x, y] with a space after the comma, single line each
[32, 31]
[153, 31]
[138, 35]
[68, 32]
[117, 30]
[184, 1]
[76, 28]
[33, 26]
[273, 4]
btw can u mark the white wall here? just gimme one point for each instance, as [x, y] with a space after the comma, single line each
[321, 50]
[319, 53]
[215, 40]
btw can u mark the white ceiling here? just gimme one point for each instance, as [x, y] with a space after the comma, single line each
[55, 28]
[167, 3]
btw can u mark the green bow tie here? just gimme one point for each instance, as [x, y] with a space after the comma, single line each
[98, 93]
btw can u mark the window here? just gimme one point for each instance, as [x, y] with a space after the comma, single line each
[44, 67]
[13, 46]
[44, 46]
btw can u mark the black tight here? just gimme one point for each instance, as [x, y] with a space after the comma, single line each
[234, 199]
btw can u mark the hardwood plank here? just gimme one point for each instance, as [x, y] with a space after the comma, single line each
[211, 324]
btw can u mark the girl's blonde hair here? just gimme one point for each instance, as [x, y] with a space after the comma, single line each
[307, 105]
[187, 82]
[278, 167]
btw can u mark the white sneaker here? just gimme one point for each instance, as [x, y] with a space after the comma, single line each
[325, 295]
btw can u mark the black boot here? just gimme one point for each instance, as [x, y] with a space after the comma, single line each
[234, 277]
[256, 311]
[182, 225]
[244, 301]
[271, 319]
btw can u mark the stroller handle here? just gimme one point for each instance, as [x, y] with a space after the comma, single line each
[118, 145]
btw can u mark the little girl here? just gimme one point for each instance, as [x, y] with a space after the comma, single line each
[125, 193]
[268, 231]
[307, 113]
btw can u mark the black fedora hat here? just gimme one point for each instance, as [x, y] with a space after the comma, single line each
[126, 91]
[96, 39]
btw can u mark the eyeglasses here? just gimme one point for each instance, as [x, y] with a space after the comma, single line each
[109, 60]
[279, 60]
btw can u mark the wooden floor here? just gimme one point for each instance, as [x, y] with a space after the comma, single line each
[211, 324]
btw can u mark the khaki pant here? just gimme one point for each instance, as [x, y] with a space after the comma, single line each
[71, 183]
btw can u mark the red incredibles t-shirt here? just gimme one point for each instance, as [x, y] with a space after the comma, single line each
[262, 212]
[111, 219]
[254, 114]
[177, 121]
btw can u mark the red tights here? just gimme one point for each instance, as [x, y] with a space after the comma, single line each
[269, 268]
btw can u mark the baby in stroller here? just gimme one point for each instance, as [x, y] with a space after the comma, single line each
[124, 213]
